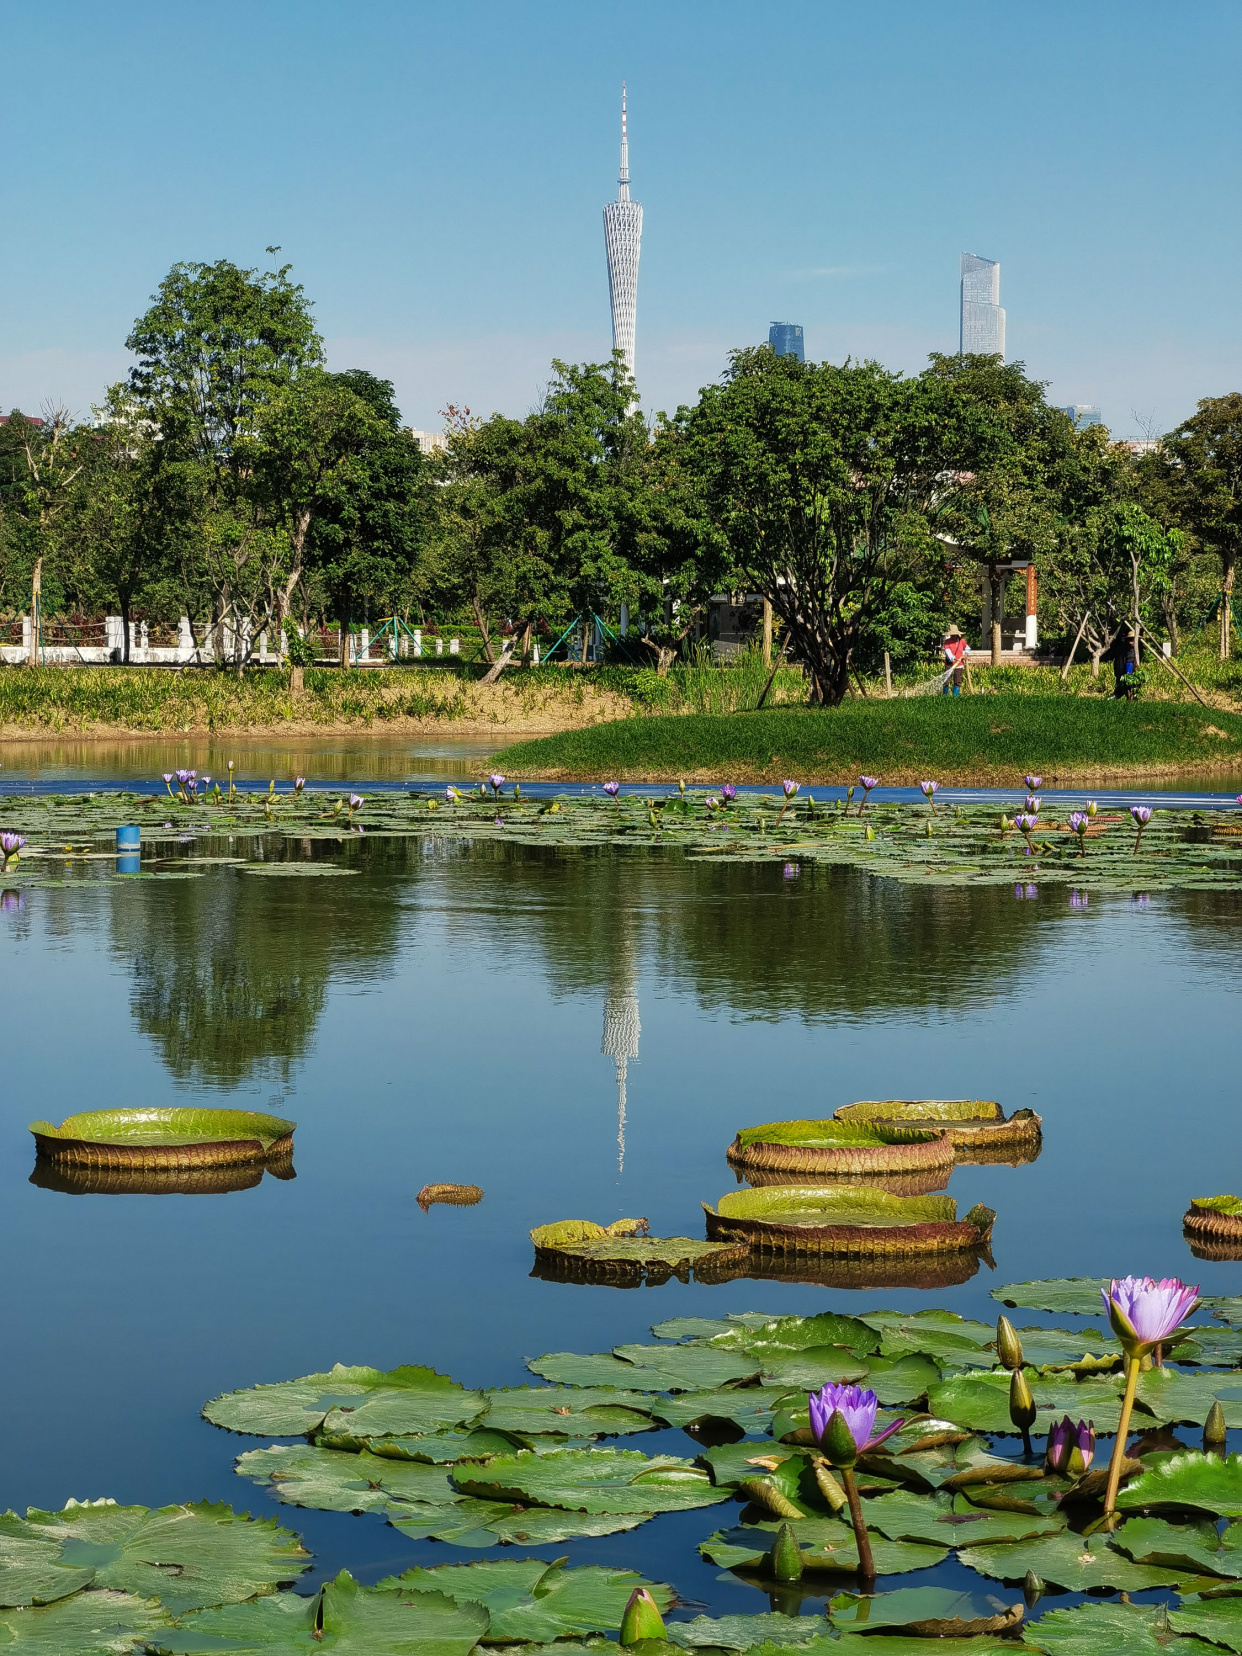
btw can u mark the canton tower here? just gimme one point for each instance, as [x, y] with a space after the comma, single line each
[623, 235]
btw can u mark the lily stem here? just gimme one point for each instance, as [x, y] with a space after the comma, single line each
[866, 1564]
[1123, 1427]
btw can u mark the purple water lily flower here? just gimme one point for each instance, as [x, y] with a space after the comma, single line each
[1033, 803]
[712, 804]
[728, 793]
[495, 781]
[928, 790]
[1071, 1449]
[856, 1407]
[1026, 824]
[10, 845]
[206, 782]
[299, 782]
[866, 783]
[168, 777]
[790, 788]
[1033, 782]
[1142, 816]
[1240, 799]
[1079, 821]
[1143, 1313]
[612, 789]
[355, 803]
[451, 795]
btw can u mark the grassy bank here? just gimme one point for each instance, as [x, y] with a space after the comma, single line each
[981, 738]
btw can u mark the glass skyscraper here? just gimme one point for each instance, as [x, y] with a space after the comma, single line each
[785, 338]
[1083, 414]
[982, 327]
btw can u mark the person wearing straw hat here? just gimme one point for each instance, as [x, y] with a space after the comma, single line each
[956, 649]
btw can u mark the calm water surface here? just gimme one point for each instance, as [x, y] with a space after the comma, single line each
[439, 1017]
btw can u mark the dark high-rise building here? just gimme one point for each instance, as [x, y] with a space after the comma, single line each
[785, 338]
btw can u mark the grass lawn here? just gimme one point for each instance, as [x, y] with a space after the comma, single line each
[971, 738]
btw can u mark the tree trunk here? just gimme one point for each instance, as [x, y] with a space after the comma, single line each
[36, 605]
[342, 648]
[498, 667]
[125, 628]
[1095, 662]
[767, 633]
[296, 682]
[481, 622]
[998, 613]
[527, 631]
[1226, 602]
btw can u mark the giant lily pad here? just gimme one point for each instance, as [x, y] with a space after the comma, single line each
[629, 1260]
[1202, 1483]
[980, 1402]
[164, 1138]
[343, 1617]
[88, 1624]
[951, 1521]
[1080, 1296]
[187, 1556]
[818, 1219]
[971, 1125]
[826, 1545]
[360, 1401]
[932, 1612]
[1079, 1564]
[531, 1600]
[592, 1480]
[824, 1149]
[1214, 1218]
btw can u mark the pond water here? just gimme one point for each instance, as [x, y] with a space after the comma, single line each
[440, 1016]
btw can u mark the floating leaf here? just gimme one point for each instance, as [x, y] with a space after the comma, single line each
[368, 1621]
[592, 1480]
[1065, 1348]
[826, 1545]
[1171, 1394]
[799, 1334]
[1218, 1619]
[296, 870]
[1228, 1307]
[747, 1406]
[1201, 1482]
[816, 1367]
[335, 1480]
[932, 1611]
[408, 1401]
[1078, 1564]
[88, 1624]
[437, 1448]
[575, 1411]
[531, 1600]
[1108, 1630]
[475, 1523]
[690, 1368]
[1195, 1546]
[748, 1633]
[981, 1401]
[691, 1328]
[951, 1521]
[1078, 1296]
[206, 1553]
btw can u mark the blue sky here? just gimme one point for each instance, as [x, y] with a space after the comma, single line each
[435, 174]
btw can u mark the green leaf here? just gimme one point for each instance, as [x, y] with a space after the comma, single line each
[436, 1448]
[88, 1624]
[1062, 1348]
[1078, 1564]
[1108, 1630]
[1218, 1619]
[951, 1521]
[950, 1350]
[1201, 1482]
[667, 1368]
[134, 1128]
[356, 1621]
[1173, 1395]
[691, 1367]
[338, 1480]
[187, 1556]
[529, 1600]
[1078, 1296]
[826, 1544]
[748, 1406]
[980, 1402]
[571, 1410]
[592, 1480]
[900, 1381]
[945, 1322]
[747, 1632]
[912, 1606]
[1195, 1546]
[819, 1366]
[475, 1523]
[731, 1462]
[1228, 1307]
[691, 1328]
[363, 1402]
[800, 1334]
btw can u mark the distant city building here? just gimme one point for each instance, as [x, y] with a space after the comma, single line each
[1083, 414]
[1139, 445]
[982, 325]
[785, 338]
[623, 235]
[430, 442]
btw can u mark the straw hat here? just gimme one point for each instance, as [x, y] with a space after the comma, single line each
[953, 633]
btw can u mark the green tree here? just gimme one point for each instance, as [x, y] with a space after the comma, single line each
[1200, 466]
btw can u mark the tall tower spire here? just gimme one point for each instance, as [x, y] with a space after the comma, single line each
[623, 235]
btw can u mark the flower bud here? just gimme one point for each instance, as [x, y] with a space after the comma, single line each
[1081, 1448]
[1021, 1402]
[838, 1441]
[642, 1620]
[1008, 1345]
[1214, 1430]
[785, 1556]
[1032, 1589]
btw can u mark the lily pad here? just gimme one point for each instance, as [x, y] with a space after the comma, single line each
[826, 1545]
[1109, 1630]
[164, 1138]
[970, 1124]
[207, 1554]
[827, 1219]
[336, 1480]
[531, 1600]
[592, 1480]
[343, 1617]
[951, 1521]
[650, 1368]
[437, 1448]
[932, 1320]
[789, 1335]
[950, 1350]
[296, 870]
[980, 1402]
[1171, 1394]
[747, 1406]
[748, 1633]
[1228, 1307]
[574, 1411]
[1078, 1564]
[809, 1370]
[1217, 1619]
[1196, 1545]
[608, 1258]
[931, 1611]
[691, 1328]
[475, 1523]
[1060, 1348]
[1202, 1483]
[827, 1149]
[88, 1624]
[408, 1401]
[1079, 1296]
